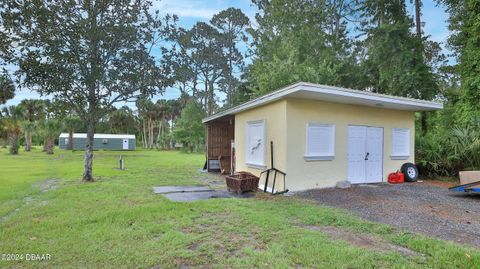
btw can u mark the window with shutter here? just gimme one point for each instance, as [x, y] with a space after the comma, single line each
[400, 143]
[320, 142]
[255, 151]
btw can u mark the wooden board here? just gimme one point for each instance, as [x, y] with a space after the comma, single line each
[467, 177]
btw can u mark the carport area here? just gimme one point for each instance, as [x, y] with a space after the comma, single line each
[425, 207]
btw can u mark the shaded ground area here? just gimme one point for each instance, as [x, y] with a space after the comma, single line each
[428, 208]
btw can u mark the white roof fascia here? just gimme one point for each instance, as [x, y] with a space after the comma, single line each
[408, 103]
[268, 98]
[100, 136]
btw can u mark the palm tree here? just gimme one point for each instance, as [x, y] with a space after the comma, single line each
[145, 109]
[12, 116]
[71, 123]
[33, 111]
[28, 128]
[51, 131]
[175, 108]
[122, 120]
[162, 113]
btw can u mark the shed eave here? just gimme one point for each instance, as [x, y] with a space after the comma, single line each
[100, 136]
[333, 94]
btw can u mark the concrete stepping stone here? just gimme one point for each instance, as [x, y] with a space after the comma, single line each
[194, 193]
[180, 189]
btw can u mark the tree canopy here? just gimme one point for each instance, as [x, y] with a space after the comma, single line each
[87, 54]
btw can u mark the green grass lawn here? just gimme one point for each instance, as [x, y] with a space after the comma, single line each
[117, 222]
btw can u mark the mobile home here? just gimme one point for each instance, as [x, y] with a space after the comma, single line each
[100, 142]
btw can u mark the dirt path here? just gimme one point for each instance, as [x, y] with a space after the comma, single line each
[426, 208]
[43, 186]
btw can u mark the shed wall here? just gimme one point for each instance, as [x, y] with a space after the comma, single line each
[113, 144]
[303, 174]
[274, 115]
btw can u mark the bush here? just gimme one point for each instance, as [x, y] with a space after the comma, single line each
[446, 152]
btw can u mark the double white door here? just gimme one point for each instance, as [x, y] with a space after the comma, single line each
[365, 154]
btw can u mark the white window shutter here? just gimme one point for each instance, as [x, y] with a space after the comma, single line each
[255, 144]
[320, 142]
[400, 143]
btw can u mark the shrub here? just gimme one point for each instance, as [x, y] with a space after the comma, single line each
[446, 152]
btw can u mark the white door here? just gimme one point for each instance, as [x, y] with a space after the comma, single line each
[125, 143]
[365, 154]
[356, 153]
[374, 148]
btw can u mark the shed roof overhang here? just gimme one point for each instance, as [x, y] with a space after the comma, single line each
[100, 136]
[303, 90]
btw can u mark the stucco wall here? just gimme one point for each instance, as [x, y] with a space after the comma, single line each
[319, 174]
[274, 115]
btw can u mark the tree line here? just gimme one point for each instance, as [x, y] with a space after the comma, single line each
[40, 122]
[122, 51]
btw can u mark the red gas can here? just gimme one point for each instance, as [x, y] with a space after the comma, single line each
[396, 178]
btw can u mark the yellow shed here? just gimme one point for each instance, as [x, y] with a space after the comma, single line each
[320, 134]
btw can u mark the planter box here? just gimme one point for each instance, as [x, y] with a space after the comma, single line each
[242, 182]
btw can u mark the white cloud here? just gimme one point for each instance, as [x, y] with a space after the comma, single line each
[182, 8]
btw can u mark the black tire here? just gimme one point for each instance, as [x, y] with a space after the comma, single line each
[410, 172]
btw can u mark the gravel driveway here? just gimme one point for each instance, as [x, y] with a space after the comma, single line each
[428, 208]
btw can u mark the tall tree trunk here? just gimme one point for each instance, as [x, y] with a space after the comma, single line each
[381, 16]
[418, 20]
[160, 131]
[144, 136]
[206, 95]
[418, 26]
[50, 145]
[87, 170]
[70, 140]
[26, 141]
[149, 129]
[210, 98]
[152, 127]
[230, 77]
[28, 146]
[195, 83]
[14, 142]
[29, 141]
[5, 140]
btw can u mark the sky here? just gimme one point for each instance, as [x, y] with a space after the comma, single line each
[191, 11]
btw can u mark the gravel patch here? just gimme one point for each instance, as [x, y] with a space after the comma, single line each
[415, 207]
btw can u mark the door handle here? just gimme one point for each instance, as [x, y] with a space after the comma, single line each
[366, 156]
